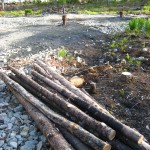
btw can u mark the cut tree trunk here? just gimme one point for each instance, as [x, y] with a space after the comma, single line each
[74, 128]
[72, 110]
[96, 111]
[45, 125]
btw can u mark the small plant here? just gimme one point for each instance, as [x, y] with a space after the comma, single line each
[122, 92]
[28, 11]
[147, 26]
[133, 24]
[138, 24]
[62, 52]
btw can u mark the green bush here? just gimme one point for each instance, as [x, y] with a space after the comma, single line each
[28, 11]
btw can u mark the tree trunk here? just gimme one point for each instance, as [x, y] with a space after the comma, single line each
[72, 110]
[74, 128]
[45, 125]
[96, 110]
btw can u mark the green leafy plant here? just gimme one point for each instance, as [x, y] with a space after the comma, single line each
[133, 24]
[147, 25]
[62, 52]
[28, 11]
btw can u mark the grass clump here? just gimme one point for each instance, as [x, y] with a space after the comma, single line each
[140, 25]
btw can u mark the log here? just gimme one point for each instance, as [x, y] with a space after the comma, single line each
[28, 88]
[96, 111]
[143, 146]
[72, 127]
[75, 142]
[43, 72]
[45, 125]
[118, 145]
[72, 110]
[35, 93]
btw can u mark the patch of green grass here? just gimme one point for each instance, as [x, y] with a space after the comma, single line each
[19, 13]
[12, 13]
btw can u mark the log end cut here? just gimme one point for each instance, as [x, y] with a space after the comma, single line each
[112, 134]
[107, 147]
[140, 139]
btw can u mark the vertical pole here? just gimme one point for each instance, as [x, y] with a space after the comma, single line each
[3, 5]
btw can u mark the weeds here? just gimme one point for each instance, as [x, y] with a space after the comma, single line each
[62, 52]
[139, 25]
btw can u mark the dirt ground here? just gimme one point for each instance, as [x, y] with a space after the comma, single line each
[129, 101]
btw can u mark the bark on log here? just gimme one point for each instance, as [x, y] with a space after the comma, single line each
[43, 72]
[75, 142]
[72, 110]
[45, 125]
[35, 93]
[28, 88]
[96, 110]
[74, 128]
[142, 146]
[117, 145]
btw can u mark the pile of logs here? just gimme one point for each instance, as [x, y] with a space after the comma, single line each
[69, 117]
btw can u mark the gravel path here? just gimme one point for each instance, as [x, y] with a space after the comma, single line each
[35, 37]
[26, 36]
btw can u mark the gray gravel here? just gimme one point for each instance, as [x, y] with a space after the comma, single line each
[35, 37]
[28, 36]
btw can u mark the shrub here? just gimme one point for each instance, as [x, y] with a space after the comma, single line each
[28, 11]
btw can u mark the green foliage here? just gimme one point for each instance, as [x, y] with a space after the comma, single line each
[139, 24]
[28, 11]
[146, 8]
[12, 13]
[132, 61]
[62, 52]
[147, 26]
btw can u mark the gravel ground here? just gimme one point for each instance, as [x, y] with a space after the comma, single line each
[35, 37]
[26, 36]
